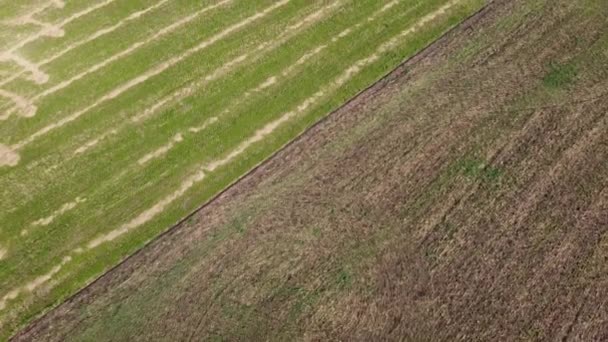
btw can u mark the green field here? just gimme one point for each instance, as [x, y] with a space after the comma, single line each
[120, 117]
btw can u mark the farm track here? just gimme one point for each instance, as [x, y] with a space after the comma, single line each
[102, 149]
[477, 215]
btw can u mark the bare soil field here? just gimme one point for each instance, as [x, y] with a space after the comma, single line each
[463, 197]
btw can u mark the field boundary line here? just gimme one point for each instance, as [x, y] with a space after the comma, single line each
[380, 84]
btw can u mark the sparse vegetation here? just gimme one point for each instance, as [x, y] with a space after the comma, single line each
[560, 75]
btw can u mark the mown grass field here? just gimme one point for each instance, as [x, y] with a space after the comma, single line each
[120, 117]
[462, 198]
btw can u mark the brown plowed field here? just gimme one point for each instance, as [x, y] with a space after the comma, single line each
[464, 197]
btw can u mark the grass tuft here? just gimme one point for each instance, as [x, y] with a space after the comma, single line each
[560, 75]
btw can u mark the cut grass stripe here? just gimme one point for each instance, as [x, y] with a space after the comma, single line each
[56, 146]
[273, 81]
[97, 34]
[46, 31]
[122, 54]
[142, 78]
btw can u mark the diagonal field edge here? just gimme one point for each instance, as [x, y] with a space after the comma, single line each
[373, 88]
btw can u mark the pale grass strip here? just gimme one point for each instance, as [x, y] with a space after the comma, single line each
[38, 76]
[8, 157]
[230, 65]
[202, 127]
[92, 37]
[49, 219]
[178, 138]
[93, 142]
[161, 150]
[163, 32]
[148, 74]
[26, 107]
[23, 106]
[34, 284]
[60, 25]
